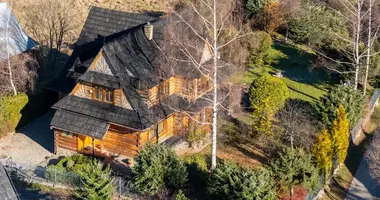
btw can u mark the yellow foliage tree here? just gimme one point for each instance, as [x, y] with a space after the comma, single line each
[323, 151]
[263, 118]
[340, 134]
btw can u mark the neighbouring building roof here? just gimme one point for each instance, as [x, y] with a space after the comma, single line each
[18, 41]
[7, 191]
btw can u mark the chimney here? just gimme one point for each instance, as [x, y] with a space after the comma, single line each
[148, 30]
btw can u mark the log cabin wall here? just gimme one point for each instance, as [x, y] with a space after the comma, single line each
[121, 141]
[66, 141]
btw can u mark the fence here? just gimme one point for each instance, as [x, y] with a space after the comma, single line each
[63, 179]
[357, 131]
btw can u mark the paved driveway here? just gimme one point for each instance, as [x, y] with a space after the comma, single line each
[31, 144]
[362, 186]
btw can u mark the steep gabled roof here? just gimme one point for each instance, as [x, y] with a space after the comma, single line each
[136, 64]
[7, 191]
[105, 22]
[18, 40]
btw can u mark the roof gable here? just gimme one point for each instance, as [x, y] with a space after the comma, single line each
[18, 40]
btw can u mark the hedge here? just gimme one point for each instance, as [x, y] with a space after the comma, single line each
[10, 108]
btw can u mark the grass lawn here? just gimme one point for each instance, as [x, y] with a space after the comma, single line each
[295, 64]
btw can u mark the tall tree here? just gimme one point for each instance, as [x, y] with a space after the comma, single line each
[200, 28]
[49, 23]
[17, 72]
[340, 135]
[323, 152]
[352, 100]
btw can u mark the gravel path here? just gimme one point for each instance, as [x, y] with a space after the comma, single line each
[31, 144]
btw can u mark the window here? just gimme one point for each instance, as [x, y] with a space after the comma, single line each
[151, 133]
[160, 128]
[67, 134]
[103, 94]
[163, 89]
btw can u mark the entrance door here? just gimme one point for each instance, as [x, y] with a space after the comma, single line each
[83, 142]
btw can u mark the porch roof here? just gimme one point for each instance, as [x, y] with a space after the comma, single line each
[80, 124]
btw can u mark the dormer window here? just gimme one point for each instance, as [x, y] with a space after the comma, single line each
[103, 94]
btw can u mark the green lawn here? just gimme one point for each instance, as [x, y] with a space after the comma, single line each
[294, 62]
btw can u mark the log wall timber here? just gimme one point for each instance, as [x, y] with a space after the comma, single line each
[119, 140]
[66, 141]
[82, 90]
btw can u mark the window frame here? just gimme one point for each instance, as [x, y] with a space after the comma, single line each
[103, 94]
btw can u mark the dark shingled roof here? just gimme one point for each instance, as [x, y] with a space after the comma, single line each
[100, 79]
[80, 124]
[7, 191]
[138, 64]
[105, 22]
[104, 111]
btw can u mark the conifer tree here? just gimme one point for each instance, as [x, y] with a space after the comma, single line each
[295, 167]
[96, 181]
[263, 118]
[323, 151]
[340, 134]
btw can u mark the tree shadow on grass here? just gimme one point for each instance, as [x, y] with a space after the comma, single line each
[297, 65]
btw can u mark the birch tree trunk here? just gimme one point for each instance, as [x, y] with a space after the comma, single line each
[356, 44]
[215, 91]
[369, 46]
[8, 54]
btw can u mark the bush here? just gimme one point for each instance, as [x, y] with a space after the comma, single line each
[228, 181]
[352, 100]
[157, 167]
[196, 135]
[68, 169]
[10, 108]
[258, 57]
[268, 88]
[253, 6]
[267, 95]
[74, 163]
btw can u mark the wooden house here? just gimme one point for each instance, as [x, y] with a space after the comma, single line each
[124, 95]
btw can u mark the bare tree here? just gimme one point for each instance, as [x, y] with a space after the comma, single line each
[17, 72]
[196, 28]
[373, 156]
[358, 15]
[297, 124]
[49, 23]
